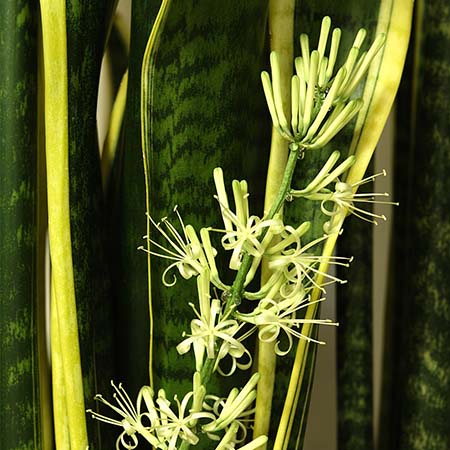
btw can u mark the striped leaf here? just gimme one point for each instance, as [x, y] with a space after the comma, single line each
[87, 25]
[20, 418]
[204, 108]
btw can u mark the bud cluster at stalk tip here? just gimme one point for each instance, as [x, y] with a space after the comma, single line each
[321, 103]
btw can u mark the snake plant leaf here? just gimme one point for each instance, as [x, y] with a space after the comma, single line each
[118, 48]
[402, 167]
[54, 52]
[205, 112]
[126, 203]
[87, 25]
[20, 417]
[420, 375]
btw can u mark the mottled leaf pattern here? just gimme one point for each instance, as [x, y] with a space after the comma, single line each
[19, 390]
[421, 321]
[206, 101]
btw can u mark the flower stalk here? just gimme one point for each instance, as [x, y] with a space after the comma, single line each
[321, 105]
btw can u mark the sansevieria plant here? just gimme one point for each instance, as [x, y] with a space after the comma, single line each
[189, 255]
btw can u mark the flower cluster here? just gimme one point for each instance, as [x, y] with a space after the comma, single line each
[219, 329]
[166, 427]
[213, 333]
[321, 105]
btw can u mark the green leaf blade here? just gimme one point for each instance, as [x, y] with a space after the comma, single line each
[19, 373]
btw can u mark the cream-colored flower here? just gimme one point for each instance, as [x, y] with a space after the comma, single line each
[185, 249]
[329, 173]
[178, 425]
[345, 198]
[300, 267]
[158, 424]
[214, 333]
[243, 234]
[272, 317]
[132, 419]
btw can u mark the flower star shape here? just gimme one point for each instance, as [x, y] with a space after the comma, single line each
[344, 198]
[301, 268]
[271, 317]
[174, 426]
[243, 233]
[164, 426]
[186, 250]
[213, 332]
[132, 418]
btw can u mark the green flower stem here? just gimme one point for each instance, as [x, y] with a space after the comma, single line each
[238, 286]
[184, 445]
[206, 371]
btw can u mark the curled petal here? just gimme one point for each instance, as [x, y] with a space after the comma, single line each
[131, 444]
